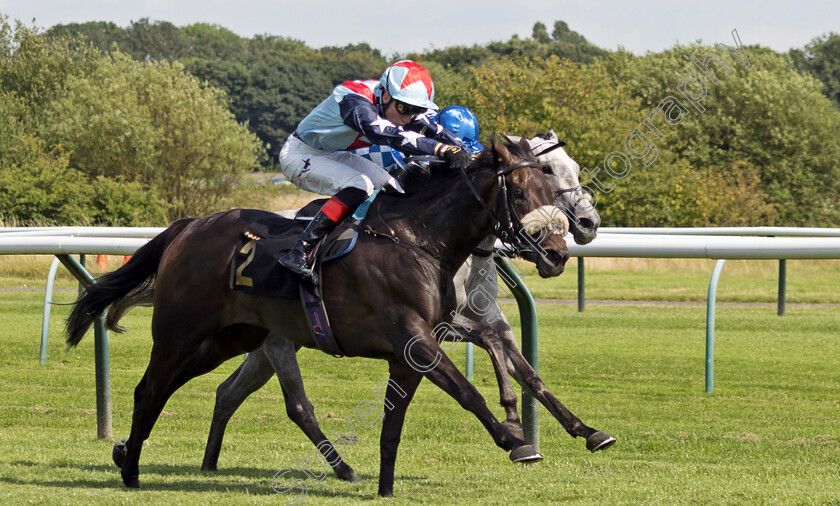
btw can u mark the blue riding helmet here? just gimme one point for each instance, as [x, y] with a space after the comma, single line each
[463, 123]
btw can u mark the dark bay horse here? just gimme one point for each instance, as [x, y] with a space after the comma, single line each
[385, 298]
[490, 330]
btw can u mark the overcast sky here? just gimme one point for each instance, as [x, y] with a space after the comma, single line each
[403, 26]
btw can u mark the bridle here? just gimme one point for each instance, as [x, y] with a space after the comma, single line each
[509, 228]
[547, 150]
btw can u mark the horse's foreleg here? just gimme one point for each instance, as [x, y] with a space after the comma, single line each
[282, 355]
[487, 338]
[534, 386]
[402, 384]
[424, 354]
[251, 375]
[477, 303]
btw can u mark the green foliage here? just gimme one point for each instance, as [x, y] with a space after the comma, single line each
[125, 204]
[272, 82]
[526, 96]
[156, 125]
[37, 186]
[35, 71]
[821, 58]
[100, 34]
[766, 135]
[763, 152]
[563, 42]
[148, 133]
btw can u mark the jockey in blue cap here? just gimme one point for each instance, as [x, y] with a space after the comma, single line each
[463, 123]
[392, 112]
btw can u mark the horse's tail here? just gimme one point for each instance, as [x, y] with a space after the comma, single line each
[129, 280]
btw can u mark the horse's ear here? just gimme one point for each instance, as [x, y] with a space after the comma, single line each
[502, 153]
[506, 139]
[526, 146]
[552, 136]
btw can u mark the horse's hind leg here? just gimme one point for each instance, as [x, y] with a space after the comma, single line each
[172, 364]
[252, 374]
[282, 354]
[159, 382]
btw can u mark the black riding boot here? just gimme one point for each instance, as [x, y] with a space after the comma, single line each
[334, 210]
[297, 259]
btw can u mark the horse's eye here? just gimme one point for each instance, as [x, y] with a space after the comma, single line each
[547, 170]
[518, 193]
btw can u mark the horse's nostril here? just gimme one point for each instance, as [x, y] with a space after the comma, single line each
[557, 257]
[585, 223]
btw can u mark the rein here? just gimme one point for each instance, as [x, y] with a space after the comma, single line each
[506, 231]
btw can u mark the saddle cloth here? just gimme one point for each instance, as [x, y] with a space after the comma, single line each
[255, 268]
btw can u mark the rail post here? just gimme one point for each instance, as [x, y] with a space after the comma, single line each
[710, 326]
[45, 319]
[581, 285]
[782, 286]
[101, 352]
[530, 346]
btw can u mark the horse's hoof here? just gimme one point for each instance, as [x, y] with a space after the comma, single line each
[525, 454]
[209, 467]
[514, 428]
[353, 478]
[118, 452]
[131, 481]
[599, 441]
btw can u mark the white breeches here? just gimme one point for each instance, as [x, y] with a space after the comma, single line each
[320, 171]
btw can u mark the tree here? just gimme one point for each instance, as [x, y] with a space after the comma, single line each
[154, 124]
[564, 43]
[101, 34]
[821, 58]
[540, 33]
[156, 41]
[213, 42]
[765, 128]
[525, 96]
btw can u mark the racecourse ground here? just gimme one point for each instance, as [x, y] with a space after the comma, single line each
[770, 432]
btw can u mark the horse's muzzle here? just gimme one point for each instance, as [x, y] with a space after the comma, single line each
[550, 258]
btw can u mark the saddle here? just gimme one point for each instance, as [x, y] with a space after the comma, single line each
[255, 268]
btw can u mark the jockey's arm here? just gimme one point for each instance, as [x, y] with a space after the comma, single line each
[425, 124]
[360, 114]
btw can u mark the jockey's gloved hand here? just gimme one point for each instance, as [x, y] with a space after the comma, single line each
[455, 156]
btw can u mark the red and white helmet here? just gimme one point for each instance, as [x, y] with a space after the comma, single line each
[410, 83]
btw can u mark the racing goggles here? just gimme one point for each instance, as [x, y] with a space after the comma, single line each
[404, 108]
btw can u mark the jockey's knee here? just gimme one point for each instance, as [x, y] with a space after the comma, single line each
[361, 182]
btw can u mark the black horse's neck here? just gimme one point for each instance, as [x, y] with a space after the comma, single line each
[443, 217]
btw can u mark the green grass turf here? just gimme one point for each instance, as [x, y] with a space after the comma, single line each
[769, 434]
[808, 281]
